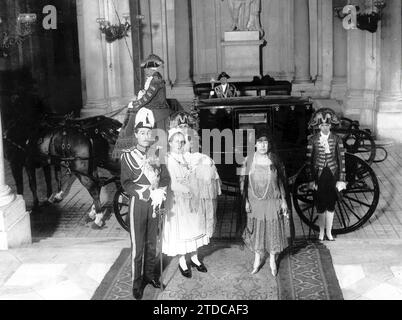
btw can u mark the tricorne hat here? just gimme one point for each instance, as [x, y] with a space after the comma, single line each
[323, 116]
[223, 74]
[152, 61]
[144, 119]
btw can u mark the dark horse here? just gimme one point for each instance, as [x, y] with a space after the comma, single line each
[80, 146]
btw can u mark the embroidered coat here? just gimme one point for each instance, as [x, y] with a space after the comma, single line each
[139, 174]
[317, 159]
[230, 91]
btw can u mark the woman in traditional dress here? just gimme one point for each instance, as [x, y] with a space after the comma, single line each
[185, 225]
[263, 188]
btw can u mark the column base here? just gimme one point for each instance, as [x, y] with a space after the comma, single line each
[15, 225]
[359, 105]
[6, 196]
[389, 117]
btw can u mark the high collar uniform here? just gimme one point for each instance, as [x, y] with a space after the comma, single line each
[140, 174]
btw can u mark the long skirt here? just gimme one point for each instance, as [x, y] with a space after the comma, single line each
[184, 227]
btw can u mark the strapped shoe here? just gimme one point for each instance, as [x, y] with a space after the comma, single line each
[200, 268]
[186, 273]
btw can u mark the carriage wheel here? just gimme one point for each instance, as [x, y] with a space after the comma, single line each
[120, 206]
[355, 205]
[358, 142]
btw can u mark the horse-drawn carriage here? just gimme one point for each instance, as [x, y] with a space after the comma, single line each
[285, 117]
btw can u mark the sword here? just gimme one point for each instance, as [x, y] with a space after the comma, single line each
[162, 212]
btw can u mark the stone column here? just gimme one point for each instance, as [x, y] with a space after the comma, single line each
[354, 102]
[15, 225]
[338, 89]
[389, 117]
[92, 57]
[325, 47]
[301, 42]
[183, 43]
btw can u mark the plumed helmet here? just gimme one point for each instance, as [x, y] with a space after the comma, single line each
[152, 61]
[144, 119]
[323, 115]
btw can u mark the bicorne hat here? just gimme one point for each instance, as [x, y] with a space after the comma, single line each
[323, 116]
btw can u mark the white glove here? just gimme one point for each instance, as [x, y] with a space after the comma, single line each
[130, 105]
[157, 196]
[340, 185]
[312, 186]
[140, 94]
[248, 207]
[211, 93]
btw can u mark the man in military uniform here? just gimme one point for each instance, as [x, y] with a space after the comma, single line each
[326, 168]
[225, 89]
[153, 97]
[145, 181]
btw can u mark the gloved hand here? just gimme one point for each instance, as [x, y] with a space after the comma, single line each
[312, 185]
[340, 185]
[248, 207]
[157, 196]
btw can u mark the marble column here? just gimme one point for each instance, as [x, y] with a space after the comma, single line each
[183, 43]
[92, 57]
[389, 117]
[338, 89]
[301, 42]
[15, 225]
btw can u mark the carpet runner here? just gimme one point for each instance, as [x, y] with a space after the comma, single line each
[305, 273]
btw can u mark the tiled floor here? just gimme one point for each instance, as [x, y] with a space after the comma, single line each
[68, 259]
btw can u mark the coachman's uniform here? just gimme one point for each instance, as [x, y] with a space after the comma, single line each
[152, 97]
[225, 92]
[326, 166]
[139, 175]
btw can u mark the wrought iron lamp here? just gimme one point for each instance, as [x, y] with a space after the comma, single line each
[24, 28]
[114, 32]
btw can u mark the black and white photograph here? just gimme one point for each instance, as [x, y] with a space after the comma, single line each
[201, 156]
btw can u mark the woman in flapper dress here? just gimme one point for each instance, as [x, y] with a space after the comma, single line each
[262, 184]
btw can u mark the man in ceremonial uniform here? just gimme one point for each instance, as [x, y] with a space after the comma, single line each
[153, 97]
[326, 168]
[145, 180]
[225, 89]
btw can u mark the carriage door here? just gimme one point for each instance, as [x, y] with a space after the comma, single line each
[257, 118]
[290, 132]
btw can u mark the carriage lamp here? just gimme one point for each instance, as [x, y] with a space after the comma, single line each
[24, 28]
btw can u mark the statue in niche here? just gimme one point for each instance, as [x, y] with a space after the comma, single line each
[245, 15]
